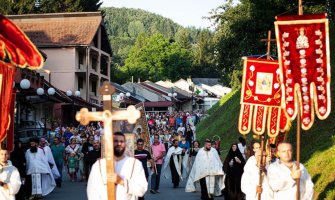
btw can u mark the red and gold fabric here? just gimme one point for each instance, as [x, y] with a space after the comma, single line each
[261, 98]
[303, 50]
[16, 50]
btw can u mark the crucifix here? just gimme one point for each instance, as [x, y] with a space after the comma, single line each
[268, 40]
[107, 116]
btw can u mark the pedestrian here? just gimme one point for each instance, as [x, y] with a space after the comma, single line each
[19, 161]
[158, 152]
[193, 152]
[72, 164]
[144, 156]
[87, 146]
[283, 173]
[93, 155]
[58, 152]
[129, 176]
[47, 152]
[206, 171]
[39, 174]
[250, 184]
[173, 164]
[10, 180]
[233, 168]
[242, 147]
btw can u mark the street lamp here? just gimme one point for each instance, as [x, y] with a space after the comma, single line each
[173, 96]
[25, 84]
[69, 93]
[123, 98]
[40, 92]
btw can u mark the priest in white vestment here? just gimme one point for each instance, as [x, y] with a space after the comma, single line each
[38, 168]
[129, 175]
[47, 152]
[172, 168]
[10, 181]
[250, 179]
[206, 172]
[282, 174]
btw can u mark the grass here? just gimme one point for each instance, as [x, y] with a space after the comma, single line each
[317, 144]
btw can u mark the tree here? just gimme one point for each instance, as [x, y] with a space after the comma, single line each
[155, 58]
[240, 28]
[48, 6]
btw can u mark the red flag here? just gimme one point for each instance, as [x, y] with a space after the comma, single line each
[303, 50]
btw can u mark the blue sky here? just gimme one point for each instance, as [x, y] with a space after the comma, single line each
[183, 12]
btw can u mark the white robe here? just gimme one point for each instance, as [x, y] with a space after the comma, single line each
[207, 165]
[283, 185]
[11, 176]
[250, 180]
[37, 163]
[178, 164]
[51, 160]
[132, 172]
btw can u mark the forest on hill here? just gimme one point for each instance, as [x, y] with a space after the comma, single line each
[149, 46]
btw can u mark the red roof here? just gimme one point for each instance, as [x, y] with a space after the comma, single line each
[158, 104]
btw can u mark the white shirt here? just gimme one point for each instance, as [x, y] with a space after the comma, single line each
[283, 185]
[130, 169]
[11, 176]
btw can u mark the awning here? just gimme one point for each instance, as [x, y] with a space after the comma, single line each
[158, 104]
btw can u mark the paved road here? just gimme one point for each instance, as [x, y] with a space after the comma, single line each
[77, 191]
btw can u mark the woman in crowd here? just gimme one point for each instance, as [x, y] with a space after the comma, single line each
[193, 152]
[233, 168]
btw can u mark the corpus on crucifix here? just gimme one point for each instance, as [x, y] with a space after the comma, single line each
[115, 176]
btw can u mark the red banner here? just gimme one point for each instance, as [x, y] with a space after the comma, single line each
[261, 98]
[303, 50]
[6, 88]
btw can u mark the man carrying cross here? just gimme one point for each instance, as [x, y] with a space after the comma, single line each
[129, 176]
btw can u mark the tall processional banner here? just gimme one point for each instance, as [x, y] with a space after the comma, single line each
[16, 50]
[261, 98]
[303, 54]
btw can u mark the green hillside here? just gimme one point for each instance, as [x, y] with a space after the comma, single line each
[317, 144]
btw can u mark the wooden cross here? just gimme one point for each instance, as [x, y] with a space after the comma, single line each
[268, 40]
[107, 116]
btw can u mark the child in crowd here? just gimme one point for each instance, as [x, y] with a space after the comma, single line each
[72, 164]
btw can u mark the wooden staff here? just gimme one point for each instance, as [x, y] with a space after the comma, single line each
[300, 12]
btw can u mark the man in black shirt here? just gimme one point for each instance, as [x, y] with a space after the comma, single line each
[144, 156]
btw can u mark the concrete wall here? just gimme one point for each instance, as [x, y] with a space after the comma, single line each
[62, 64]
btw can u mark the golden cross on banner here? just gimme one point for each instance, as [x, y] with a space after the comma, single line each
[107, 116]
[268, 40]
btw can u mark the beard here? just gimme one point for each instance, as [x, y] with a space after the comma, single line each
[118, 151]
[208, 148]
[33, 149]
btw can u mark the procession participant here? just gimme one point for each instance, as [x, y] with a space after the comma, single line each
[252, 159]
[58, 150]
[250, 179]
[19, 161]
[129, 176]
[158, 152]
[47, 152]
[10, 180]
[282, 175]
[273, 151]
[173, 163]
[144, 156]
[233, 168]
[206, 170]
[242, 147]
[39, 171]
[193, 152]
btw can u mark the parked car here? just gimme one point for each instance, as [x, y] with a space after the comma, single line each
[30, 124]
[24, 135]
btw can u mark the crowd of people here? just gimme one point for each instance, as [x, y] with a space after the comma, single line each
[175, 154]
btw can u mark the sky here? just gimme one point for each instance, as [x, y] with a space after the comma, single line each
[184, 12]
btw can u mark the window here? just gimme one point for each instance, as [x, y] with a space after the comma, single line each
[80, 83]
[80, 59]
[94, 88]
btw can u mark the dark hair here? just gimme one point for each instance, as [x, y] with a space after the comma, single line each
[208, 141]
[120, 134]
[242, 140]
[140, 140]
[195, 142]
[156, 135]
[174, 140]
